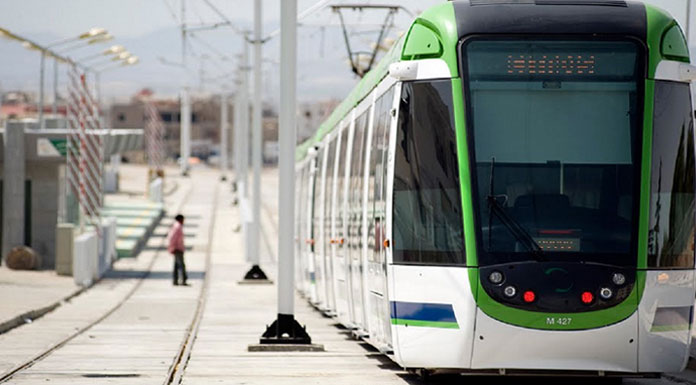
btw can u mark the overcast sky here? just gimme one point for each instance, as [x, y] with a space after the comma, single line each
[149, 29]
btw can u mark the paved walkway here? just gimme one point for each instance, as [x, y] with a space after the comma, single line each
[28, 294]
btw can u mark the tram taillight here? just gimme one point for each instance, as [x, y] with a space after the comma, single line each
[528, 296]
[587, 297]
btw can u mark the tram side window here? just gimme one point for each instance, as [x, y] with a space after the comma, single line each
[427, 217]
[341, 183]
[376, 188]
[671, 235]
[318, 245]
[328, 195]
[355, 202]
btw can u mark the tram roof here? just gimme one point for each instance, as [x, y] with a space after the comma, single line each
[587, 17]
[453, 21]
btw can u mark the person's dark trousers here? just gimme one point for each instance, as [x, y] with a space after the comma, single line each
[179, 265]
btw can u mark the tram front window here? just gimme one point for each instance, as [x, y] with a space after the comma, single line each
[556, 129]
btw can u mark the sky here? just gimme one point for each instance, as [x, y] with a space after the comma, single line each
[150, 29]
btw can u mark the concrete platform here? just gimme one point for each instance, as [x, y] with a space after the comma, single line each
[27, 295]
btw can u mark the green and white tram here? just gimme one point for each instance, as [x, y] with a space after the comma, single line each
[511, 190]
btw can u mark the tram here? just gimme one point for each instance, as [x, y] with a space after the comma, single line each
[511, 190]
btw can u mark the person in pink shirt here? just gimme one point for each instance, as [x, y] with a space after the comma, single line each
[175, 241]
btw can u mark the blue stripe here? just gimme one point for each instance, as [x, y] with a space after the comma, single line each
[417, 311]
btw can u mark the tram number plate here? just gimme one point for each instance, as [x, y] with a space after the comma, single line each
[560, 321]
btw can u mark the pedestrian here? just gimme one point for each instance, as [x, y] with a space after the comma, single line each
[175, 240]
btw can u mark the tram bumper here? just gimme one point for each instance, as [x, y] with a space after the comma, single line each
[612, 348]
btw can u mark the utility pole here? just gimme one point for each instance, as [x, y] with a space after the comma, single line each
[688, 20]
[185, 132]
[183, 33]
[244, 146]
[254, 245]
[224, 107]
[42, 123]
[237, 138]
[285, 329]
[54, 108]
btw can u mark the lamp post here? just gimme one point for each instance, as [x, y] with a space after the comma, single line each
[688, 19]
[113, 50]
[94, 40]
[93, 36]
[285, 329]
[128, 60]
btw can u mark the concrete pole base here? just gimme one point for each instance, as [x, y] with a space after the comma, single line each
[255, 274]
[286, 331]
[285, 348]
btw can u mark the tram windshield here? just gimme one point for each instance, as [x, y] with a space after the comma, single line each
[555, 128]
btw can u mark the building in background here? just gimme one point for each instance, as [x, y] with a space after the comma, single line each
[205, 121]
[311, 115]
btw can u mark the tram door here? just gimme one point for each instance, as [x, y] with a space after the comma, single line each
[355, 205]
[378, 302]
[329, 211]
[343, 309]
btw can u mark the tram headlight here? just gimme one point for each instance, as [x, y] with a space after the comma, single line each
[606, 293]
[496, 278]
[618, 279]
[509, 291]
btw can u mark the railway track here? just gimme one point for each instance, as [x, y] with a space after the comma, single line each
[183, 353]
[176, 370]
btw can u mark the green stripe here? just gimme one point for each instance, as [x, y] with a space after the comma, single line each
[428, 324]
[669, 328]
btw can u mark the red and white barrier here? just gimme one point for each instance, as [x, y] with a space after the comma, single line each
[154, 137]
[85, 152]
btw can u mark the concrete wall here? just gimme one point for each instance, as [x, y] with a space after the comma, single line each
[44, 209]
[85, 266]
[65, 248]
[13, 187]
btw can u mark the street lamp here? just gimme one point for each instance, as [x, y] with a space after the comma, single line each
[92, 36]
[123, 56]
[127, 60]
[113, 50]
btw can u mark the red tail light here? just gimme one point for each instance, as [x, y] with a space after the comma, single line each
[587, 297]
[528, 296]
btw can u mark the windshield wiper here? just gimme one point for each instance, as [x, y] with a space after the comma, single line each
[510, 223]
